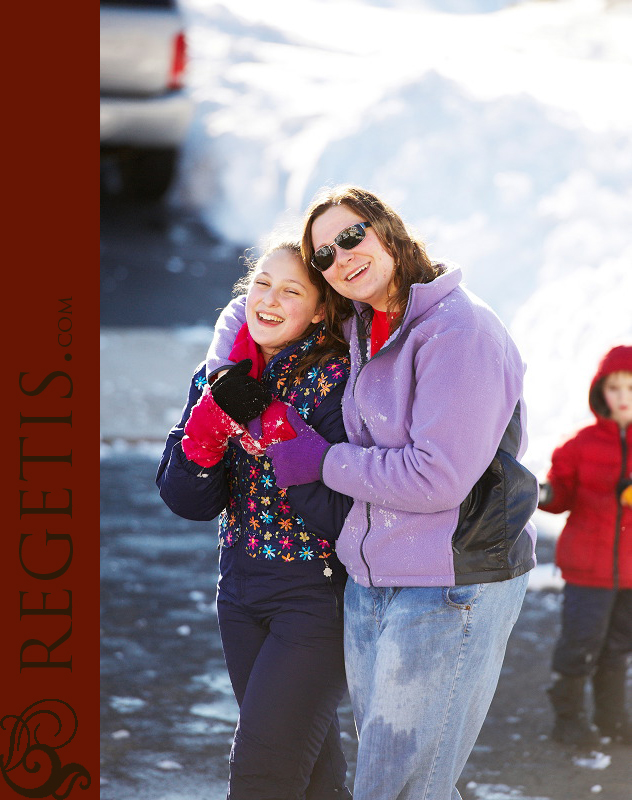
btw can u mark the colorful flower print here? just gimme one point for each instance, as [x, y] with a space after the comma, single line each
[259, 511]
[324, 388]
[286, 542]
[200, 381]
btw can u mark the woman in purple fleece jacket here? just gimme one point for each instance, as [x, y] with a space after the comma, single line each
[435, 385]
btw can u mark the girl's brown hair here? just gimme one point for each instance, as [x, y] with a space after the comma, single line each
[329, 344]
[412, 264]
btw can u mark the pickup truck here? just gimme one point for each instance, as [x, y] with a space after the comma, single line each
[145, 106]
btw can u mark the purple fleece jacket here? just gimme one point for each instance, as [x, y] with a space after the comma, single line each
[424, 418]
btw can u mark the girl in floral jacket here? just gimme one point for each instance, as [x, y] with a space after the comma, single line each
[281, 585]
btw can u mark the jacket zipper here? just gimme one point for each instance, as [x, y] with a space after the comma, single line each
[364, 361]
[617, 532]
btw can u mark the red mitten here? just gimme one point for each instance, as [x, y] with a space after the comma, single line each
[207, 431]
[273, 426]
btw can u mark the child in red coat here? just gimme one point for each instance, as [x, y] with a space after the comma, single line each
[591, 476]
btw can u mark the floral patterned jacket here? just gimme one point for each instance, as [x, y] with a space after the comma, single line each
[273, 524]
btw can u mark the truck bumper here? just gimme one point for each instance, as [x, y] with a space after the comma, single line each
[145, 122]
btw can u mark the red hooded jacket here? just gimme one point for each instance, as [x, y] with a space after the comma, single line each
[587, 474]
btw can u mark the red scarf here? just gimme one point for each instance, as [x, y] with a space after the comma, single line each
[246, 347]
[379, 329]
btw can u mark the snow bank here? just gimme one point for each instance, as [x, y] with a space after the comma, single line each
[498, 130]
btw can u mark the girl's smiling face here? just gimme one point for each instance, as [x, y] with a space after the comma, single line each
[282, 303]
[363, 273]
[617, 392]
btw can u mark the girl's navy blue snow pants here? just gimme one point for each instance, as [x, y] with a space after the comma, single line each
[596, 630]
[283, 645]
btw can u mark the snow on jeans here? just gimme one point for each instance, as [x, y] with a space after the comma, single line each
[422, 667]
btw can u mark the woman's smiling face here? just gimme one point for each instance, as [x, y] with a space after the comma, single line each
[282, 302]
[364, 273]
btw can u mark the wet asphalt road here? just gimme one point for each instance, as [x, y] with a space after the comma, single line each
[161, 267]
[167, 707]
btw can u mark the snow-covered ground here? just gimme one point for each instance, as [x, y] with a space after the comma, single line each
[501, 132]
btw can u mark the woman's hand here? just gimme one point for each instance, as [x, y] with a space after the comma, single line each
[298, 460]
[240, 395]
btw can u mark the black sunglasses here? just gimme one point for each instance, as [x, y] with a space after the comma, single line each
[325, 256]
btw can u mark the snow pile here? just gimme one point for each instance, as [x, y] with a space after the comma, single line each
[491, 791]
[500, 131]
[545, 577]
[595, 760]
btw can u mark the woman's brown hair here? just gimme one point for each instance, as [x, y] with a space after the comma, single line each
[412, 264]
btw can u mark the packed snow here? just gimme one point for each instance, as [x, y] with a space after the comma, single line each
[500, 131]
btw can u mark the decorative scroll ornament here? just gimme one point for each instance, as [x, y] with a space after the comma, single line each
[32, 767]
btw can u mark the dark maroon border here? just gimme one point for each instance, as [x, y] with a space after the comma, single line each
[50, 253]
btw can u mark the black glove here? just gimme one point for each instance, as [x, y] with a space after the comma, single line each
[239, 395]
[546, 494]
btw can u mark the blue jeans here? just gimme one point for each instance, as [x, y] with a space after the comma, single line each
[422, 668]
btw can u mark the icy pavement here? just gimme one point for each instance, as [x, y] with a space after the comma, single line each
[167, 706]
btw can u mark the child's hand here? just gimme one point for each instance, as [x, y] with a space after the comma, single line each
[546, 494]
[626, 496]
[207, 431]
[271, 427]
[238, 394]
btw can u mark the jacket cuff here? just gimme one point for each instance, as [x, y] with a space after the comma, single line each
[321, 469]
[190, 466]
